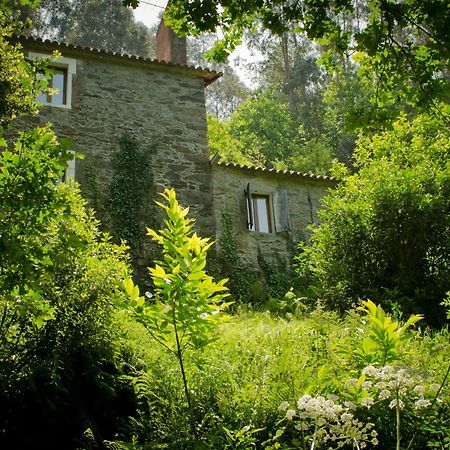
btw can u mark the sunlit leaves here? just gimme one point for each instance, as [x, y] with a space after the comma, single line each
[384, 231]
[186, 303]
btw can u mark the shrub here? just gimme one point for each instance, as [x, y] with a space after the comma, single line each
[58, 279]
[385, 229]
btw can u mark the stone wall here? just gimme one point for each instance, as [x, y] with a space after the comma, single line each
[303, 191]
[158, 104]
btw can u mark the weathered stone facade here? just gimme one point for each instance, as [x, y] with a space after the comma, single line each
[163, 105]
[303, 192]
[158, 103]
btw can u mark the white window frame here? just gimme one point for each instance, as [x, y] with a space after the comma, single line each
[69, 65]
[251, 219]
[69, 173]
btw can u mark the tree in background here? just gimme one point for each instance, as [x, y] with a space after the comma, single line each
[384, 232]
[103, 24]
[263, 132]
[403, 47]
[226, 93]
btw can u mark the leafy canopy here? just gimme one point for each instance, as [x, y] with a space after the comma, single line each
[262, 131]
[406, 45]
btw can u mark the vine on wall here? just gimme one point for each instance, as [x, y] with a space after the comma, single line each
[270, 283]
[130, 192]
[241, 278]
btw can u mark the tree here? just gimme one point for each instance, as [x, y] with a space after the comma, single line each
[104, 24]
[263, 131]
[226, 93]
[58, 278]
[384, 231]
[404, 45]
[188, 303]
[18, 82]
[221, 142]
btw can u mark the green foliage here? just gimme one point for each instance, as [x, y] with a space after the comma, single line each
[129, 191]
[18, 82]
[264, 127]
[241, 278]
[221, 141]
[58, 279]
[383, 335]
[262, 131]
[404, 46]
[260, 362]
[384, 231]
[103, 24]
[188, 302]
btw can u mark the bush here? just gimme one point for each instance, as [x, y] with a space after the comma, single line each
[58, 280]
[385, 229]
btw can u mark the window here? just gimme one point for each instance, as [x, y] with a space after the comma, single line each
[63, 69]
[261, 213]
[267, 213]
[58, 81]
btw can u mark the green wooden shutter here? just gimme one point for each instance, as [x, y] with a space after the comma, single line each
[281, 210]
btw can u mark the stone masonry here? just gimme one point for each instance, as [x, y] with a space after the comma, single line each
[304, 192]
[158, 103]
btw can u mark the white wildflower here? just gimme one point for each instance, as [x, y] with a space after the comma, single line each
[370, 371]
[367, 402]
[419, 390]
[384, 394]
[351, 383]
[434, 387]
[290, 414]
[350, 405]
[283, 406]
[422, 403]
[394, 404]
[346, 417]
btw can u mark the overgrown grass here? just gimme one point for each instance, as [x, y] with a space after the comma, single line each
[259, 361]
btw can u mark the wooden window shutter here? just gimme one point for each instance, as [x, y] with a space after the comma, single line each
[281, 210]
[249, 205]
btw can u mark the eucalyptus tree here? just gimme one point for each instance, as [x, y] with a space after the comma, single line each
[403, 46]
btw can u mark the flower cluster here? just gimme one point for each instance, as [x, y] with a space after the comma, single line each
[323, 420]
[397, 384]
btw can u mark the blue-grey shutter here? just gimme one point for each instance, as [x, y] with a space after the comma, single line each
[281, 210]
[249, 205]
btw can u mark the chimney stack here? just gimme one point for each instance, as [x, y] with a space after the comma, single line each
[170, 47]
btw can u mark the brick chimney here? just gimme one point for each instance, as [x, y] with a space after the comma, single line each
[170, 47]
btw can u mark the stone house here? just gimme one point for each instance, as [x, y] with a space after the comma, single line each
[161, 102]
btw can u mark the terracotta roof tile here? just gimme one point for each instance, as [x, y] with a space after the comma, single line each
[309, 176]
[208, 75]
